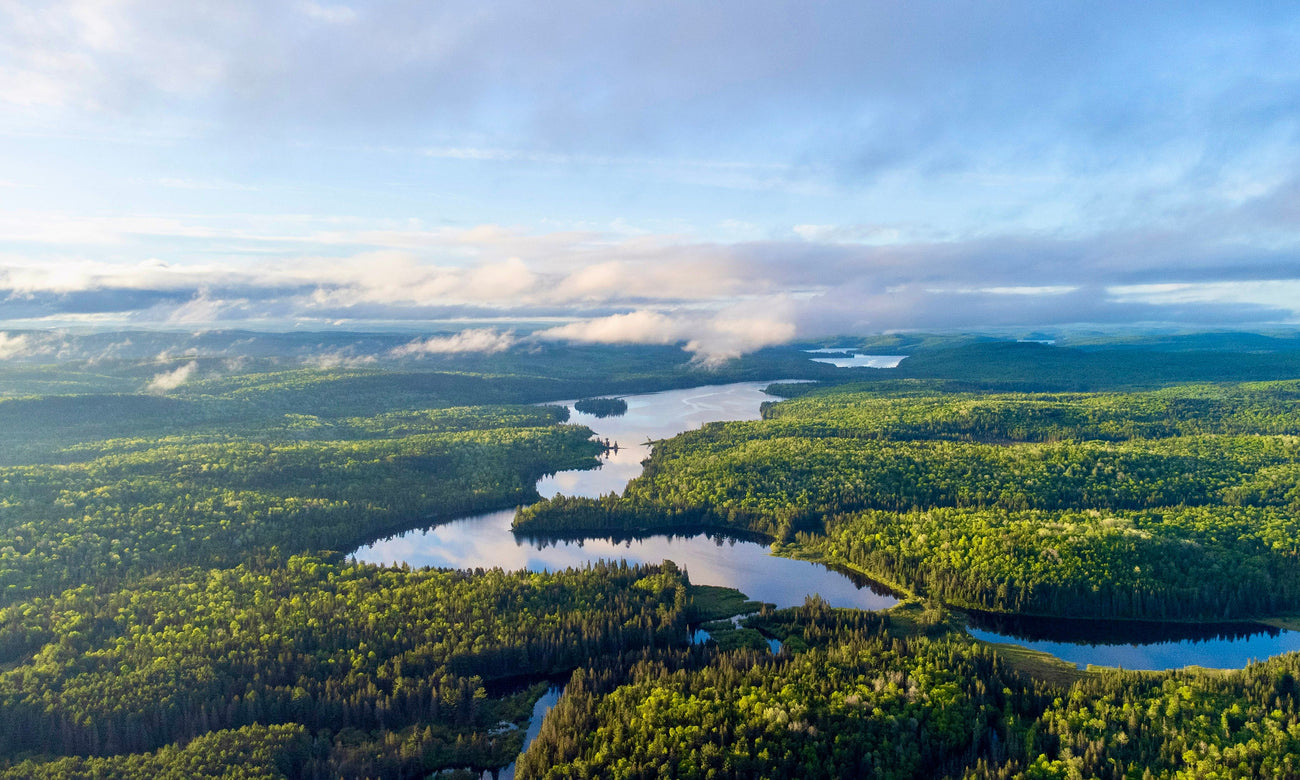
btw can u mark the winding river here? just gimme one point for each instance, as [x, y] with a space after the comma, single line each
[486, 540]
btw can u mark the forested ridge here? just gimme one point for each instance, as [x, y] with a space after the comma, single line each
[125, 508]
[1171, 504]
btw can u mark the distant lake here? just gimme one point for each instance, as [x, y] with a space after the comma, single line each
[856, 359]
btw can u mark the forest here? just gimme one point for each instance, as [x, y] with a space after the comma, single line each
[176, 604]
[888, 701]
[356, 651]
[177, 600]
[128, 507]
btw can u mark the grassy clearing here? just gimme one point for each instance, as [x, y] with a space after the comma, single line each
[1287, 622]
[1039, 665]
[711, 602]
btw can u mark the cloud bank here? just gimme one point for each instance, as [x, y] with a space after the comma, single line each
[716, 299]
[721, 176]
[170, 380]
[485, 340]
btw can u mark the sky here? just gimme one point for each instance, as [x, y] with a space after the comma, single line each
[722, 175]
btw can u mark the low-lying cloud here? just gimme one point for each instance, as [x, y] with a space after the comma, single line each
[717, 300]
[710, 338]
[638, 327]
[170, 380]
[485, 340]
[12, 346]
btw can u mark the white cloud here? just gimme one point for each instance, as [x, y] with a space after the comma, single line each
[711, 338]
[332, 14]
[340, 359]
[638, 327]
[732, 334]
[170, 380]
[486, 340]
[1282, 293]
[201, 310]
[716, 299]
[12, 346]
[1059, 289]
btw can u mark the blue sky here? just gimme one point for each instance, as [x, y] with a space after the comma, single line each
[726, 174]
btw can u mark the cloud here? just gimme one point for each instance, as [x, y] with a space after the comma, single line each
[202, 309]
[638, 327]
[15, 346]
[887, 165]
[865, 87]
[111, 351]
[485, 340]
[12, 346]
[712, 339]
[340, 359]
[715, 299]
[735, 332]
[170, 380]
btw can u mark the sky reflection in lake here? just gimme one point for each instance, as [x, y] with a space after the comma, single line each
[486, 540]
[1226, 652]
[857, 359]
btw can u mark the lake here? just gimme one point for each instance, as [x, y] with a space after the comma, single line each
[855, 359]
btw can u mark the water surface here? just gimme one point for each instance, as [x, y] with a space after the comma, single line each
[486, 540]
[856, 359]
[543, 706]
[1231, 649]
[650, 417]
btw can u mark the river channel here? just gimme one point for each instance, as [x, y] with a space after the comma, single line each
[486, 540]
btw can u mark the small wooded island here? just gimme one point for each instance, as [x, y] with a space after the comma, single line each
[602, 407]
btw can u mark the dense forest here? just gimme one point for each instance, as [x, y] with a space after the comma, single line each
[177, 603]
[339, 649]
[170, 607]
[885, 700]
[128, 507]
